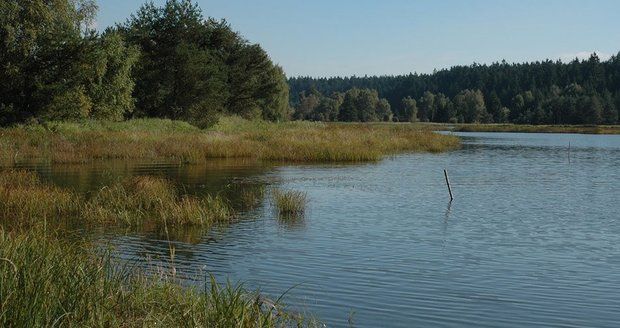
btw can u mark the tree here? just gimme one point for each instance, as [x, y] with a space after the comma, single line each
[111, 85]
[426, 107]
[537, 92]
[55, 67]
[470, 107]
[384, 110]
[348, 110]
[276, 103]
[307, 105]
[590, 109]
[494, 106]
[192, 67]
[445, 110]
[328, 108]
[366, 105]
[409, 112]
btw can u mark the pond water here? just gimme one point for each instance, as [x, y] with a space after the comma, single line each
[531, 239]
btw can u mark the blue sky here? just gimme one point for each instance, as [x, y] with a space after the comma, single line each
[385, 37]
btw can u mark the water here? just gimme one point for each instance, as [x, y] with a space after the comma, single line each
[530, 240]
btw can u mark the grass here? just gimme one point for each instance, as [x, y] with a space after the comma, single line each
[290, 204]
[252, 196]
[582, 129]
[134, 201]
[46, 281]
[232, 137]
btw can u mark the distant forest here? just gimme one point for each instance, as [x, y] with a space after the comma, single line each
[548, 92]
[172, 61]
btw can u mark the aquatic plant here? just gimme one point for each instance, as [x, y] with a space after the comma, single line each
[24, 198]
[251, 196]
[137, 200]
[46, 280]
[134, 201]
[290, 204]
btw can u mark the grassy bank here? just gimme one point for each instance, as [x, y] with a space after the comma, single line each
[48, 282]
[135, 201]
[582, 129]
[154, 139]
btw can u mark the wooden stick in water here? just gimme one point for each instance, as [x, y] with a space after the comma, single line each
[445, 172]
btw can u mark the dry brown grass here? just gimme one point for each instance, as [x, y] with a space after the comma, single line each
[132, 202]
[231, 138]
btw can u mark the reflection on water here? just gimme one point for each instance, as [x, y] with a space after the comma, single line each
[530, 239]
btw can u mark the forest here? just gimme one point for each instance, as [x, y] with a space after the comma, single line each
[172, 61]
[547, 92]
[166, 62]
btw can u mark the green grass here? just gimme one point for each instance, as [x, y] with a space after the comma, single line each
[290, 204]
[135, 201]
[582, 129]
[232, 137]
[46, 281]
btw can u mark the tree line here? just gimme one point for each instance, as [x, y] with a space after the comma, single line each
[547, 92]
[167, 61]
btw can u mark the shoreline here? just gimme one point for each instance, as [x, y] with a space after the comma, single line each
[527, 128]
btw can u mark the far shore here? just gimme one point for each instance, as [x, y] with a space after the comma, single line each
[525, 128]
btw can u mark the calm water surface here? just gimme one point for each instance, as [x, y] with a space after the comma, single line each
[530, 240]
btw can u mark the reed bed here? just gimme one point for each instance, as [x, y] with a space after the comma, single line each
[46, 281]
[131, 202]
[231, 137]
[290, 204]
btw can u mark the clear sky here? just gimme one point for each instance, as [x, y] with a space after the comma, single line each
[385, 37]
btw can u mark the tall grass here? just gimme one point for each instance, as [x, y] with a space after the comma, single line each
[46, 281]
[25, 199]
[230, 138]
[290, 204]
[131, 202]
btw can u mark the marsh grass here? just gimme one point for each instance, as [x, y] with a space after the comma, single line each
[149, 199]
[231, 137]
[24, 198]
[252, 196]
[134, 201]
[290, 204]
[46, 281]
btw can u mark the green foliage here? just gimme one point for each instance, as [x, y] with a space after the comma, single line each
[111, 86]
[363, 105]
[55, 67]
[409, 112]
[197, 69]
[470, 107]
[167, 62]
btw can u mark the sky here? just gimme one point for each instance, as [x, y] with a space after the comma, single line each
[322, 38]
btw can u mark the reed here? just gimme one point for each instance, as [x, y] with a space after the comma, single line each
[232, 137]
[131, 202]
[252, 196]
[145, 199]
[290, 204]
[24, 198]
[46, 281]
